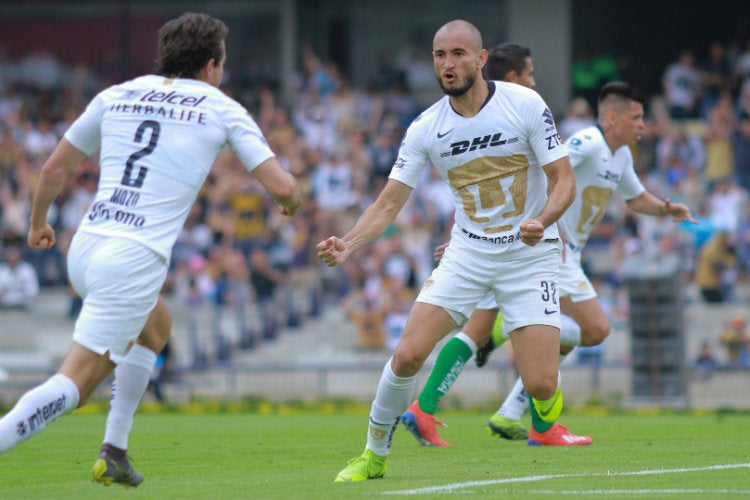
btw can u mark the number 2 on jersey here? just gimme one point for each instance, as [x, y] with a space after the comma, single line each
[127, 177]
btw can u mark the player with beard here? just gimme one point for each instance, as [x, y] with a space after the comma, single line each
[497, 147]
[512, 63]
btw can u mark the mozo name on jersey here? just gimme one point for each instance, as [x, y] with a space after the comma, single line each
[481, 142]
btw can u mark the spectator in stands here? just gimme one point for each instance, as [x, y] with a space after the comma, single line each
[705, 363]
[716, 260]
[737, 342]
[718, 140]
[578, 116]
[584, 79]
[716, 77]
[678, 152]
[367, 314]
[265, 279]
[682, 87]
[741, 151]
[19, 284]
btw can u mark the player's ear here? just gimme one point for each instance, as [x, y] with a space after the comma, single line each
[483, 55]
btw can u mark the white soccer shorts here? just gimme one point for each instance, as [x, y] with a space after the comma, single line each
[525, 288]
[573, 281]
[119, 281]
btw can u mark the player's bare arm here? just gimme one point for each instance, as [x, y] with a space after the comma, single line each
[281, 184]
[64, 159]
[561, 192]
[371, 224]
[648, 204]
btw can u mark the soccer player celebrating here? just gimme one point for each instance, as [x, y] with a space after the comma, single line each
[510, 63]
[497, 147]
[602, 164]
[158, 136]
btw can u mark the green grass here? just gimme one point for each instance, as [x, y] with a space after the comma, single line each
[297, 455]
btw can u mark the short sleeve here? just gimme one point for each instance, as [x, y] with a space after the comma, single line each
[85, 133]
[412, 158]
[544, 139]
[245, 137]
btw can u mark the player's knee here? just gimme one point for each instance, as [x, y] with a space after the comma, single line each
[406, 361]
[541, 387]
[595, 334]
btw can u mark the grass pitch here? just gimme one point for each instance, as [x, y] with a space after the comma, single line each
[297, 455]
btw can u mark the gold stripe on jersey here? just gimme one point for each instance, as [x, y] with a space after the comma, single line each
[594, 200]
[486, 172]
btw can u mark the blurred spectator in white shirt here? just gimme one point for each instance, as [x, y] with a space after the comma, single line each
[19, 284]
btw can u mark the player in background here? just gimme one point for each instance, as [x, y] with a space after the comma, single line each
[603, 163]
[496, 145]
[511, 63]
[158, 136]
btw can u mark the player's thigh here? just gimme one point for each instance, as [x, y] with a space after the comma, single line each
[480, 324]
[458, 284]
[119, 281]
[427, 324]
[590, 316]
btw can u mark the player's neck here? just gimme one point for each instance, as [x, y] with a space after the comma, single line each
[471, 102]
[612, 142]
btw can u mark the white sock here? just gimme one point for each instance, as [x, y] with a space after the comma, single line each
[515, 403]
[39, 407]
[392, 399]
[570, 332]
[131, 381]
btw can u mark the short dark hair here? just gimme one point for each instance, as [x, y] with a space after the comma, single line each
[187, 43]
[505, 58]
[620, 90]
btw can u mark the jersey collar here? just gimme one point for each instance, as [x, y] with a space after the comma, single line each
[490, 93]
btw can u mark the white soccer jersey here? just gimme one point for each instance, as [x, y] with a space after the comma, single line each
[599, 173]
[492, 163]
[159, 137]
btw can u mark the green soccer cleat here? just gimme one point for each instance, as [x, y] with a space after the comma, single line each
[550, 410]
[506, 428]
[108, 470]
[367, 466]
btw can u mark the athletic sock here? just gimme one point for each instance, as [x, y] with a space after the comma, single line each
[448, 366]
[515, 402]
[131, 381]
[537, 423]
[391, 400]
[39, 407]
[570, 332]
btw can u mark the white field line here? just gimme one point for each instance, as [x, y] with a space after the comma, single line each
[669, 491]
[449, 488]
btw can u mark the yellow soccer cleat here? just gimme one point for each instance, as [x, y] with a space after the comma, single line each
[367, 466]
[108, 470]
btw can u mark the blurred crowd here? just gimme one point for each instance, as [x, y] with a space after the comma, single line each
[237, 254]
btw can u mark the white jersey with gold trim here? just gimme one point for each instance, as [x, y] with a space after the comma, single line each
[599, 173]
[492, 163]
[159, 138]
